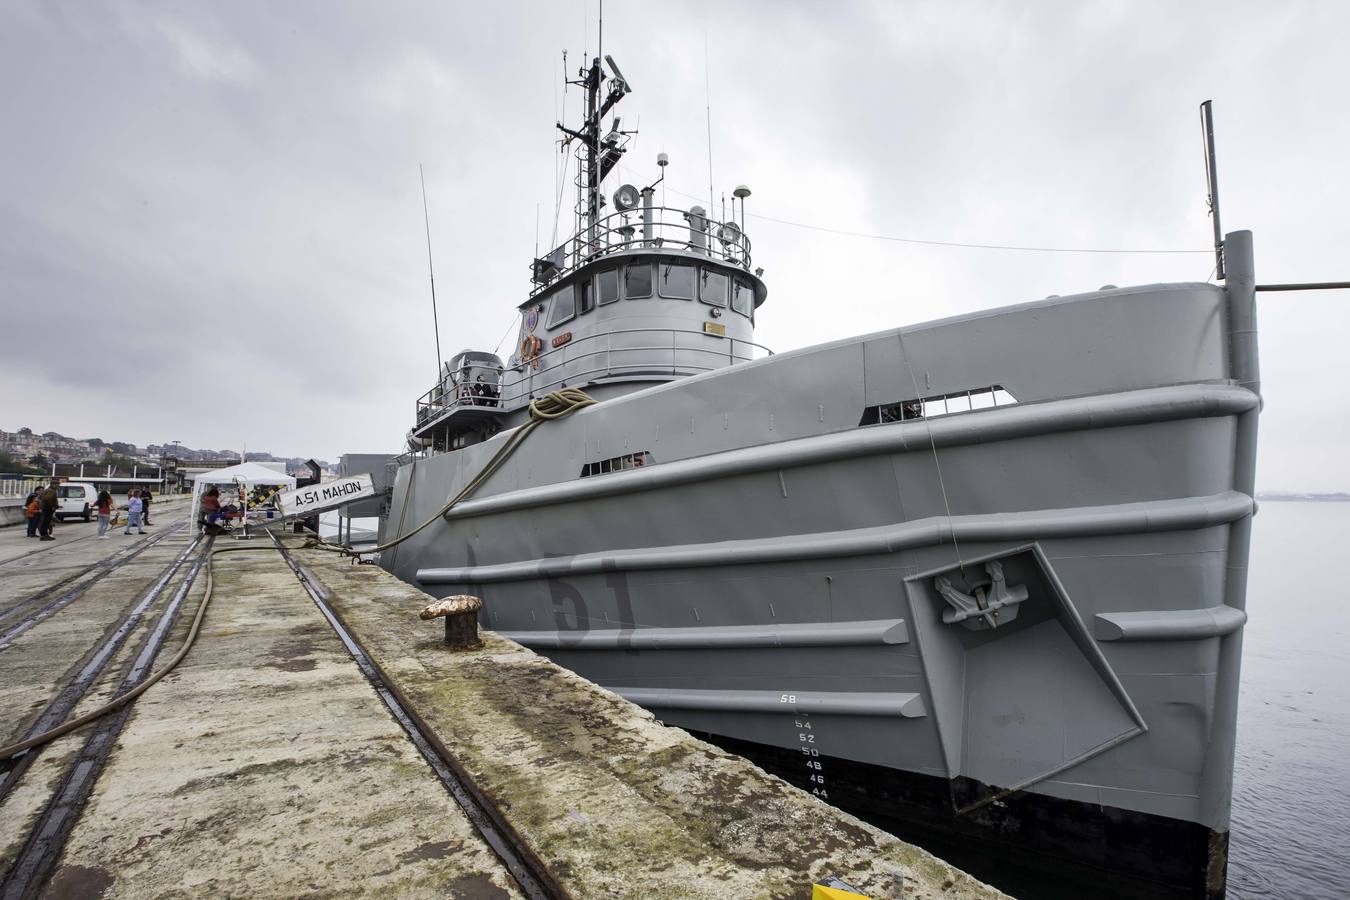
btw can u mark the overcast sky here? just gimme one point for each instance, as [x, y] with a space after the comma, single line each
[211, 229]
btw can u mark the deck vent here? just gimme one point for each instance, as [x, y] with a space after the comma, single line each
[618, 464]
[938, 405]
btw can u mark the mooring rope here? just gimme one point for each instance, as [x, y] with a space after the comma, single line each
[551, 406]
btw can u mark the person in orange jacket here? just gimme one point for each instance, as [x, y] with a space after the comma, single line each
[33, 509]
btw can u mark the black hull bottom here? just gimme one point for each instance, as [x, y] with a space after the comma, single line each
[1030, 846]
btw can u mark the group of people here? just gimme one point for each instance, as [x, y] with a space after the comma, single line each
[41, 507]
[479, 392]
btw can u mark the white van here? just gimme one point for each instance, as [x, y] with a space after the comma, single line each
[76, 498]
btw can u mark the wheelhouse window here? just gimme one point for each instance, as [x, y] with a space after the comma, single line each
[742, 297]
[713, 288]
[585, 297]
[563, 308]
[677, 281]
[607, 286]
[637, 280]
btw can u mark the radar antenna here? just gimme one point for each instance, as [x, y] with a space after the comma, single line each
[597, 153]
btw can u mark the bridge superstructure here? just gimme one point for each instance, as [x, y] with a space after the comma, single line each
[640, 294]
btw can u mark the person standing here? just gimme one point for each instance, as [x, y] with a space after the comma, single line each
[145, 507]
[134, 508]
[49, 501]
[32, 508]
[104, 505]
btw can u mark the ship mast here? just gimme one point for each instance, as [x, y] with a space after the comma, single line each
[596, 155]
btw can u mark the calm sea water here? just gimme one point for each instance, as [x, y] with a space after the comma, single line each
[1291, 791]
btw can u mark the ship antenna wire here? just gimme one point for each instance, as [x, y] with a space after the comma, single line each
[435, 322]
[937, 463]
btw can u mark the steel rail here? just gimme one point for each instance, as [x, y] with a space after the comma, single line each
[36, 614]
[529, 872]
[34, 597]
[14, 559]
[86, 672]
[47, 839]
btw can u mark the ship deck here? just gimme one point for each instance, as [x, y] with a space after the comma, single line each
[321, 740]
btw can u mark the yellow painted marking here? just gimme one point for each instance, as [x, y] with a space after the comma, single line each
[821, 892]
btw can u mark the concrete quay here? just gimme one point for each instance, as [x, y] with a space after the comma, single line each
[274, 762]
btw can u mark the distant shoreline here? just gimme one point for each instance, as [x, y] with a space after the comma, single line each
[1334, 497]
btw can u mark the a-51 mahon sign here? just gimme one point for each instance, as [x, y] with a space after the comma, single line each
[327, 495]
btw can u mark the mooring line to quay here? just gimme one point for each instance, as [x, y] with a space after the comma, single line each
[52, 607]
[87, 671]
[48, 836]
[525, 867]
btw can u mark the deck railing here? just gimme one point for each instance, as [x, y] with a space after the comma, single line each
[666, 227]
[588, 359]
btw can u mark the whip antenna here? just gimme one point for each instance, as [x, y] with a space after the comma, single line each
[707, 109]
[435, 322]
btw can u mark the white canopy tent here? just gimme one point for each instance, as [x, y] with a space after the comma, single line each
[246, 475]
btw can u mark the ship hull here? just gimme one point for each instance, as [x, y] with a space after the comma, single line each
[787, 574]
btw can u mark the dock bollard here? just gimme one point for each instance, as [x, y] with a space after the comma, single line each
[461, 620]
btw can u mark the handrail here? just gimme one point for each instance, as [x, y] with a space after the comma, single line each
[632, 230]
[511, 394]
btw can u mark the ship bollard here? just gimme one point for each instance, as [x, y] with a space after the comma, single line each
[461, 620]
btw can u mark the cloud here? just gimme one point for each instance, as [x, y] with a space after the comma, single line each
[223, 201]
[213, 58]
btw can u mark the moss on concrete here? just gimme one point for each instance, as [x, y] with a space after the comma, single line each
[617, 804]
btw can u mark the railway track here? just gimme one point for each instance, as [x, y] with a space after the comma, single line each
[530, 873]
[40, 605]
[48, 836]
[86, 674]
[39, 550]
[46, 840]
[167, 504]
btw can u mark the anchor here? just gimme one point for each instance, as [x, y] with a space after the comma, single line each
[980, 609]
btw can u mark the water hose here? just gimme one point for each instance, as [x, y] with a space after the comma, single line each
[118, 702]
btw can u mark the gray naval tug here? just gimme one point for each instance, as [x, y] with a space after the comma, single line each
[981, 580]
